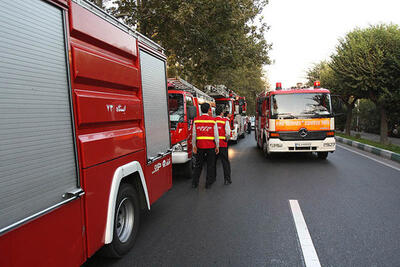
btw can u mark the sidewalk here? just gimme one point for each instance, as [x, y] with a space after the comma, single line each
[376, 137]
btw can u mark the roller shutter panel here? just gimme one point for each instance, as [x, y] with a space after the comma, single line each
[37, 151]
[155, 104]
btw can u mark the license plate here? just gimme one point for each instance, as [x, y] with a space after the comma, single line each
[302, 144]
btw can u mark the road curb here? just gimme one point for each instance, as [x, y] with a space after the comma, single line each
[375, 150]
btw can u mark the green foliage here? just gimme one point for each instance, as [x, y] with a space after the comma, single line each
[366, 64]
[368, 117]
[206, 42]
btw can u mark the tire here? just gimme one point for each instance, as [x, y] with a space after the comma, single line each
[322, 155]
[265, 150]
[188, 169]
[126, 222]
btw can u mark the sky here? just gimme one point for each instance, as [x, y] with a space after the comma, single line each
[304, 32]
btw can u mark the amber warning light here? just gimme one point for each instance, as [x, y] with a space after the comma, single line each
[317, 84]
[278, 86]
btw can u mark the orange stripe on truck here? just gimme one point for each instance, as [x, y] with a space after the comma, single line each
[297, 124]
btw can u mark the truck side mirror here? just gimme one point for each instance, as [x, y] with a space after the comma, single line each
[191, 112]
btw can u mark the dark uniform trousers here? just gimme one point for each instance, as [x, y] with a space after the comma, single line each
[223, 155]
[201, 156]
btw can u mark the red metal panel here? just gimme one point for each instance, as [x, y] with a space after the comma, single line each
[55, 239]
[299, 91]
[96, 67]
[84, 21]
[159, 177]
[98, 183]
[103, 146]
[98, 107]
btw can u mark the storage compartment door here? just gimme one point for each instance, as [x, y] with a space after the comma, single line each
[155, 99]
[37, 151]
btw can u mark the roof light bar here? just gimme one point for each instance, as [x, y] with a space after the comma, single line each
[317, 85]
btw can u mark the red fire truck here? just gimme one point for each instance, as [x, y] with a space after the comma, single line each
[184, 100]
[85, 140]
[295, 120]
[234, 105]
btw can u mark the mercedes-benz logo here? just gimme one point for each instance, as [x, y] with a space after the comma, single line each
[303, 132]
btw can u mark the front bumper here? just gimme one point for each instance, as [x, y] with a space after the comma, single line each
[234, 135]
[180, 157]
[326, 145]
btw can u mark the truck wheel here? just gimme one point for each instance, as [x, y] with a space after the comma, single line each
[126, 222]
[265, 150]
[322, 155]
[188, 169]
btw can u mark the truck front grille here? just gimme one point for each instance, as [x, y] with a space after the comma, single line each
[295, 136]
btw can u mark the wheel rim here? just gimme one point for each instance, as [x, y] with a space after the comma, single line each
[125, 219]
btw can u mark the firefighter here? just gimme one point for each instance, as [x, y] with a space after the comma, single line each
[224, 131]
[205, 146]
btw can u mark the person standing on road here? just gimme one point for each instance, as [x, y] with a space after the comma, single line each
[205, 145]
[224, 131]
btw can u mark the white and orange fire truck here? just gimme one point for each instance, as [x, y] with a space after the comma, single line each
[295, 120]
[84, 126]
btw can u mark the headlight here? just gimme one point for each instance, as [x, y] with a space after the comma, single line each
[177, 148]
[184, 145]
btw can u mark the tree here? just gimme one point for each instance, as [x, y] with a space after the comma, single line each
[205, 41]
[367, 64]
[331, 80]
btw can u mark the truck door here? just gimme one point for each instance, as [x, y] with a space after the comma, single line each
[38, 166]
[158, 144]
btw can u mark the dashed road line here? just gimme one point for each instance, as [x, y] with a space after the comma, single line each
[371, 158]
[309, 254]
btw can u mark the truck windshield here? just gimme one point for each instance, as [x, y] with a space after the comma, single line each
[176, 109]
[227, 106]
[292, 106]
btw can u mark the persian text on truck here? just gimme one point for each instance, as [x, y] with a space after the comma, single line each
[295, 120]
[85, 132]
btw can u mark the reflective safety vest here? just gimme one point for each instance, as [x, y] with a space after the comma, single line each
[221, 131]
[205, 131]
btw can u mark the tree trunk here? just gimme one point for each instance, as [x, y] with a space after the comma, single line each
[384, 126]
[349, 117]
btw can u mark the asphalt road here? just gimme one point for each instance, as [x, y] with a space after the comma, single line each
[350, 204]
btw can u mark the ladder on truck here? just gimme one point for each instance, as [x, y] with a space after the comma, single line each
[218, 91]
[181, 84]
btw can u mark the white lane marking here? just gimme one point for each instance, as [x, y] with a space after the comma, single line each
[361, 154]
[307, 246]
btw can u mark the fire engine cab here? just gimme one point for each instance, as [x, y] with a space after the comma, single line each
[184, 100]
[234, 105]
[295, 120]
[84, 126]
